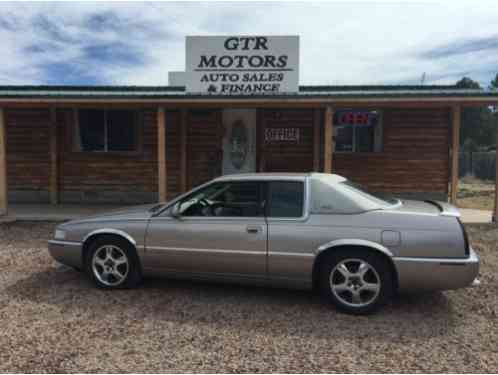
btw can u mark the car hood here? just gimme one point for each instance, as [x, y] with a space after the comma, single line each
[429, 207]
[141, 212]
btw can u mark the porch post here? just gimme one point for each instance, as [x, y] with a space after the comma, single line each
[495, 213]
[53, 188]
[161, 153]
[3, 166]
[316, 139]
[454, 152]
[328, 132]
[183, 151]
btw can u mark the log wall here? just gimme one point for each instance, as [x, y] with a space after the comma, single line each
[414, 159]
[415, 156]
[28, 154]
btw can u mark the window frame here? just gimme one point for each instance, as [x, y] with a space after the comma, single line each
[137, 121]
[378, 136]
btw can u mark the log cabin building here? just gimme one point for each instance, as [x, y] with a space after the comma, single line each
[129, 145]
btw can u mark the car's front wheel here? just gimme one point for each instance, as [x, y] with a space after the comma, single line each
[112, 263]
[356, 281]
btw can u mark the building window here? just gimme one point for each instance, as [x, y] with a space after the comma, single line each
[99, 130]
[357, 131]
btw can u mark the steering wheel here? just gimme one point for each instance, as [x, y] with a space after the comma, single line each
[203, 201]
[207, 209]
[214, 206]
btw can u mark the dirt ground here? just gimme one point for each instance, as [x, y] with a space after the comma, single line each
[477, 194]
[54, 320]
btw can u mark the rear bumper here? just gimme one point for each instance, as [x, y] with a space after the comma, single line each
[66, 252]
[426, 274]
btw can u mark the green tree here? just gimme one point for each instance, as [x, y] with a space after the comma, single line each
[493, 85]
[467, 83]
[477, 125]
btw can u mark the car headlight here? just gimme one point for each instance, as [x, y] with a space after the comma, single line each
[59, 234]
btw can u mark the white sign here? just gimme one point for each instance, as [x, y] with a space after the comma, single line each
[242, 65]
[176, 78]
[282, 134]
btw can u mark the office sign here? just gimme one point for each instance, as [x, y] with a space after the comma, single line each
[282, 135]
[242, 65]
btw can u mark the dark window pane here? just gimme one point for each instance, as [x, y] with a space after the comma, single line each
[285, 199]
[355, 130]
[236, 199]
[121, 131]
[91, 130]
[364, 139]
[344, 138]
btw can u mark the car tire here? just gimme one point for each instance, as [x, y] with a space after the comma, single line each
[356, 281]
[112, 263]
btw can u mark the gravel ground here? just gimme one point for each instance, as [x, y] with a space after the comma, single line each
[53, 320]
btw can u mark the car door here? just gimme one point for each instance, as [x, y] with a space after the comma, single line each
[290, 256]
[228, 236]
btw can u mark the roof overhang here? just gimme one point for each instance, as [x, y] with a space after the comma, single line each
[309, 96]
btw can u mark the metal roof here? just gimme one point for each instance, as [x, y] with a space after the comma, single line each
[177, 92]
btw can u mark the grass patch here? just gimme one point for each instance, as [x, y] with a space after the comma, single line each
[475, 193]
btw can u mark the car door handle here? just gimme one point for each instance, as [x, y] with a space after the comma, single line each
[253, 229]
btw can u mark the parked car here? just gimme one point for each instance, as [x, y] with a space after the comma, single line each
[295, 230]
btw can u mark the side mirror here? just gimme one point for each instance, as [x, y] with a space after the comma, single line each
[175, 210]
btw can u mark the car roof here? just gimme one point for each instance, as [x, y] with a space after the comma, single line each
[332, 178]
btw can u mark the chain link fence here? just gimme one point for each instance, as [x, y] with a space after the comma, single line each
[481, 165]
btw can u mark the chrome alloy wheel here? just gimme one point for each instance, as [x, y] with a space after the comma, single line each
[355, 282]
[110, 265]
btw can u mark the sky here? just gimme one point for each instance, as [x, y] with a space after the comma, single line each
[85, 43]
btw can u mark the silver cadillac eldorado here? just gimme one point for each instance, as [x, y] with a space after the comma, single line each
[296, 230]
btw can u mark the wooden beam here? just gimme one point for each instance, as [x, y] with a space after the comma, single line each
[268, 102]
[316, 139]
[495, 213]
[455, 146]
[3, 166]
[328, 133]
[54, 173]
[183, 150]
[161, 154]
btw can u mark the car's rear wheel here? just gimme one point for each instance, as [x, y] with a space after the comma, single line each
[356, 281]
[112, 263]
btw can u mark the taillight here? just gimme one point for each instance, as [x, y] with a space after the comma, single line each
[465, 237]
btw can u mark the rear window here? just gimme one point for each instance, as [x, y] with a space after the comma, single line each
[326, 199]
[382, 199]
[332, 197]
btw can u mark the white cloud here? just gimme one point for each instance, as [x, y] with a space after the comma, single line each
[341, 43]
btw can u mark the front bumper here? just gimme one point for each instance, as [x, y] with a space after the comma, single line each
[66, 252]
[427, 274]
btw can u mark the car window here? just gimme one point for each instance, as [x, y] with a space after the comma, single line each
[285, 199]
[331, 197]
[325, 199]
[225, 199]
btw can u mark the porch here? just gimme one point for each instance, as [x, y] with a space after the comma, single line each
[50, 212]
[53, 149]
